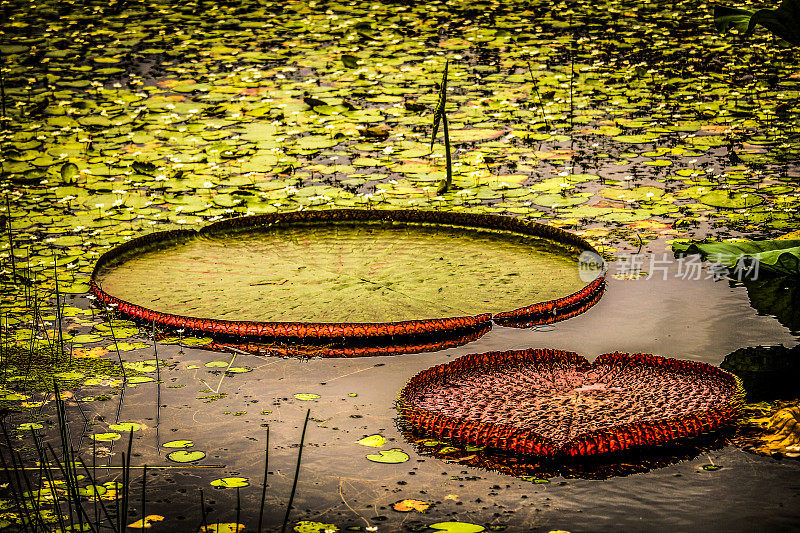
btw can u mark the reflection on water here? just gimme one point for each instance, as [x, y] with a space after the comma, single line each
[531, 468]
[420, 344]
[777, 296]
[768, 372]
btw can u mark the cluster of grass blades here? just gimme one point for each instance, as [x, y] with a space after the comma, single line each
[34, 352]
[51, 486]
[64, 493]
[27, 371]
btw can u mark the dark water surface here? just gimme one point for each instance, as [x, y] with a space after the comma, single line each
[701, 320]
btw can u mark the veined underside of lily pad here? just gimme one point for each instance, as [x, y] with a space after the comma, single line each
[373, 347]
[348, 274]
[555, 403]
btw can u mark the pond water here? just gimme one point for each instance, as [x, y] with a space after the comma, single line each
[701, 320]
[630, 123]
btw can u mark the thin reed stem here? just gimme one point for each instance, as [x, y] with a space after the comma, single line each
[296, 473]
[8, 207]
[144, 496]
[238, 509]
[264, 484]
[19, 499]
[203, 512]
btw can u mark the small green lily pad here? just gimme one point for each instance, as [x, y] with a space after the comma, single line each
[393, 456]
[130, 346]
[457, 527]
[306, 396]
[69, 172]
[197, 341]
[222, 527]
[27, 426]
[308, 526]
[239, 370]
[92, 491]
[182, 456]
[140, 366]
[178, 444]
[125, 426]
[86, 338]
[535, 480]
[731, 200]
[230, 482]
[106, 437]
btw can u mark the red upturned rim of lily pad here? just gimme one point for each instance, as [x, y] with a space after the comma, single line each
[607, 439]
[543, 312]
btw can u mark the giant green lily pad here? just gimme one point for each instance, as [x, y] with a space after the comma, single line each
[344, 272]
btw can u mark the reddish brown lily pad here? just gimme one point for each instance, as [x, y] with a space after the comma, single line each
[556, 403]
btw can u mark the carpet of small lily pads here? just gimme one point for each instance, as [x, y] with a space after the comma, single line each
[624, 121]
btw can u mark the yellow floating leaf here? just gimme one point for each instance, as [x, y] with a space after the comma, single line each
[94, 353]
[309, 526]
[306, 396]
[376, 441]
[783, 433]
[405, 506]
[148, 521]
[555, 154]
[226, 527]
